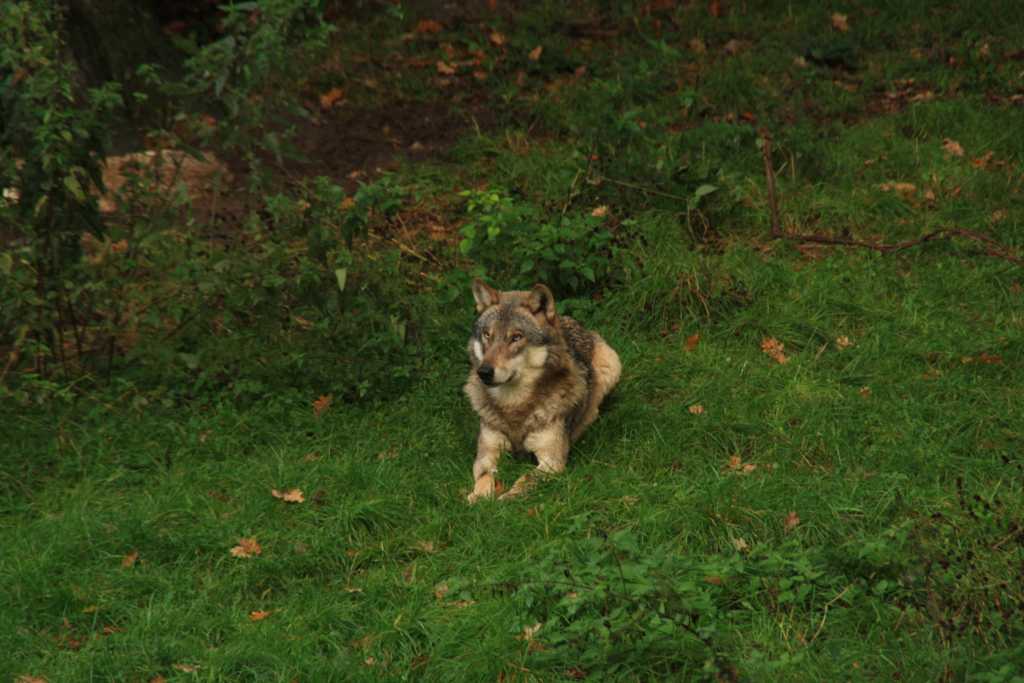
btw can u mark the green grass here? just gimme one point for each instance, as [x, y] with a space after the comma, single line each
[896, 459]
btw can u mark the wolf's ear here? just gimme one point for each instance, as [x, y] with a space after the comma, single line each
[485, 295]
[541, 302]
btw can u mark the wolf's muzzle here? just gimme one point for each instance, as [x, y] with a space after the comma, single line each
[486, 374]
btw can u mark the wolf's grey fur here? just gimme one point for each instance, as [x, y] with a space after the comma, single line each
[536, 381]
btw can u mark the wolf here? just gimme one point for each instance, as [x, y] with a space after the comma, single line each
[537, 380]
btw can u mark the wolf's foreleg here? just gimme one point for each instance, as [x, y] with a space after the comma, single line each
[551, 447]
[489, 446]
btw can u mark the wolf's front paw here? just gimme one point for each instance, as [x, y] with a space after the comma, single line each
[484, 488]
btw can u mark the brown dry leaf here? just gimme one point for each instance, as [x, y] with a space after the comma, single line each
[843, 342]
[691, 342]
[428, 26]
[426, 546]
[535, 53]
[26, 678]
[748, 468]
[158, 679]
[982, 161]
[529, 632]
[696, 409]
[599, 212]
[445, 69]
[902, 188]
[865, 392]
[331, 98]
[697, 46]
[774, 348]
[128, 561]
[441, 590]
[460, 604]
[732, 47]
[258, 615]
[322, 404]
[953, 147]
[388, 454]
[714, 580]
[496, 38]
[247, 547]
[740, 545]
[998, 216]
[289, 496]
[840, 22]
[791, 522]
[735, 462]
[186, 668]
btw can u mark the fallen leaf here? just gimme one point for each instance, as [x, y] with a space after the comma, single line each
[158, 679]
[426, 546]
[697, 46]
[186, 668]
[691, 342]
[599, 212]
[322, 404]
[843, 342]
[247, 547]
[331, 97]
[445, 69]
[735, 462]
[535, 53]
[732, 47]
[983, 160]
[791, 522]
[496, 38]
[998, 216]
[258, 615]
[953, 147]
[865, 392]
[26, 678]
[740, 545]
[388, 454]
[289, 496]
[713, 580]
[441, 590]
[529, 632]
[428, 26]
[902, 188]
[460, 604]
[696, 409]
[774, 348]
[128, 561]
[840, 22]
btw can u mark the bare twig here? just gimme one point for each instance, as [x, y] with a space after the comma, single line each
[769, 175]
[992, 247]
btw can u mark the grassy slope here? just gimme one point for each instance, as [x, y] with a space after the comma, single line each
[900, 454]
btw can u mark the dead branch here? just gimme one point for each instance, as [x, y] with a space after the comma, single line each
[991, 247]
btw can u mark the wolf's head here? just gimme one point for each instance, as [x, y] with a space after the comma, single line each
[511, 337]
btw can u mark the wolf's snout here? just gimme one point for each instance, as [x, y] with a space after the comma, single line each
[486, 373]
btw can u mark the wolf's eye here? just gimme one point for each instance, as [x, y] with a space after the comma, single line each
[486, 335]
[514, 338]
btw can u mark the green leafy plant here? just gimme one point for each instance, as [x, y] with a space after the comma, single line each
[52, 139]
[574, 253]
